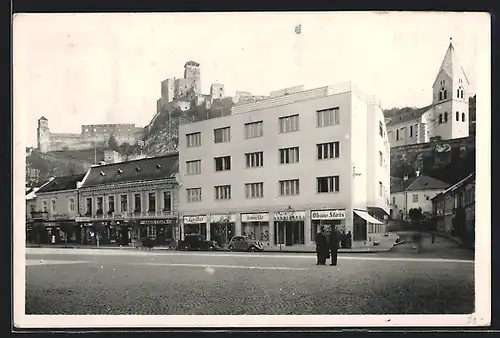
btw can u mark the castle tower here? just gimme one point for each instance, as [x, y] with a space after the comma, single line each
[217, 91]
[450, 98]
[43, 135]
[192, 71]
[167, 90]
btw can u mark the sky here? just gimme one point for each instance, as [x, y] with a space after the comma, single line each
[79, 69]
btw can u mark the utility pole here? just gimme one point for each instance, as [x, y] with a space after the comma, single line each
[95, 153]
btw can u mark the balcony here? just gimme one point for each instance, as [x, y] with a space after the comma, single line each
[132, 215]
[40, 215]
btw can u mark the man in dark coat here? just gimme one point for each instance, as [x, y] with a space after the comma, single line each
[333, 242]
[321, 247]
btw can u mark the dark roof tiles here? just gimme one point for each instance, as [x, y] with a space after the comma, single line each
[146, 169]
[422, 182]
[62, 183]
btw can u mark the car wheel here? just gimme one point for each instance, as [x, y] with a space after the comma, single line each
[231, 248]
[252, 248]
[186, 247]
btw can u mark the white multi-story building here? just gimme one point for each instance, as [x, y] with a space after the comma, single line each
[278, 169]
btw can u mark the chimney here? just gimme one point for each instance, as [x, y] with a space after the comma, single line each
[405, 177]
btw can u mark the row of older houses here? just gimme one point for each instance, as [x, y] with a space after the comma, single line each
[119, 202]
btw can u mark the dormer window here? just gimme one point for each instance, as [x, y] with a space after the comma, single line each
[158, 166]
[137, 169]
[102, 174]
[120, 171]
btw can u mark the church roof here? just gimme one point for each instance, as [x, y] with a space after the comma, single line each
[192, 63]
[43, 118]
[405, 117]
[451, 65]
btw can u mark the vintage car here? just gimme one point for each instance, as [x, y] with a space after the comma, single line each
[197, 242]
[244, 243]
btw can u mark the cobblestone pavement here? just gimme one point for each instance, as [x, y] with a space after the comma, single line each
[80, 282]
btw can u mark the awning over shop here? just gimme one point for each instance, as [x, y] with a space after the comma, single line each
[364, 215]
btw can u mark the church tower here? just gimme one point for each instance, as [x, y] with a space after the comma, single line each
[450, 99]
[43, 135]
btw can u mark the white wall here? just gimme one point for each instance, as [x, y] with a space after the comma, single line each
[404, 201]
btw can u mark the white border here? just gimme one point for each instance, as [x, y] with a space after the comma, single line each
[482, 263]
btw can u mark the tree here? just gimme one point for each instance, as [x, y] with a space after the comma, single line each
[416, 214]
[113, 144]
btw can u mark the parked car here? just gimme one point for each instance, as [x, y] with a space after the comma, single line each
[197, 242]
[244, 243]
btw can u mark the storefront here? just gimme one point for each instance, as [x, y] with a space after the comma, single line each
[327, 218]
[222, 228]
[256, 226]
[289, 227]
[159, 230]
[195, 225]
[364, 223]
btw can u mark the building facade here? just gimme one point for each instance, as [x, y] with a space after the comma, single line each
[278, 169]
[123, 202]
[56, 211]
[415, 193]
[454, 210]
[448, 115]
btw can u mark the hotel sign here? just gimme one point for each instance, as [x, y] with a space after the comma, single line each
[291, 216]
[223, 218]
[195, 219]
[255, 217]
[328, 214]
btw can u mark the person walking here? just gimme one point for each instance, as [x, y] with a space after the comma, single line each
[321, 247]
[334, 240]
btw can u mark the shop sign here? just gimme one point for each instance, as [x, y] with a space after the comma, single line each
[223, 218]
[59, 216]
[118, 216]
[195, 219]
[155, 222]
[82, 219]
[289, 216]
[255, 217]
[328, 214]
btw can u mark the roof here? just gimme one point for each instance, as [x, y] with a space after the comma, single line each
[405, 117]
[451, 65]
[192, 63]
[146, 169]
[62, 183]
[42, 118]
[422, 182]
[465, 180]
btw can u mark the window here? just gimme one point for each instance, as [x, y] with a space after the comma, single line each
[393, 200]
[327, 184]
[167, 201]
[193, 194]
[89, 206]
[289, 187]
[151, 202]
[254, 129]
[222, 163]
[52, 205]
[411, 131]
[111, 204]
[415, 198]
[380, 189]
[254, 190]
[289, 124]
[137, 202]
[380, 129]
[193, 167]
[443, 95]
[99, 205]
[289, 155]
[327, 117]
[397, 134]
[381, 158]
[223, 192]
[327, 150]
[71, 204]
[440, 118]
[457, 116]
[123, 203]
[463, 117]
[403, 131]
[445, 117]
[193, 140]
[222, 135]
[44, 206]
[254, 159]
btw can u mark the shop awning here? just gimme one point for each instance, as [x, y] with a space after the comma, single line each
[364, 215]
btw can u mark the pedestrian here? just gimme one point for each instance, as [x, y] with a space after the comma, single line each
[433, 237]
[53, 239]
[334, 240]
[321, 247]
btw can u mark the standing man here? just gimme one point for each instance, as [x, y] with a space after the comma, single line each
[334, 240]
[321, 247]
